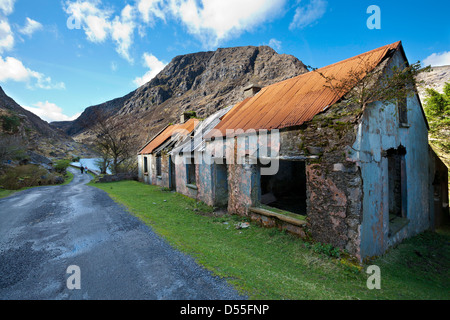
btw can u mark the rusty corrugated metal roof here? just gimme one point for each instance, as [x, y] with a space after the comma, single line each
[170, 131]
[297, 100]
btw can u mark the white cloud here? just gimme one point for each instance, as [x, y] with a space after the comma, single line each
[215, 20]
[306, 15]
[210, 21]
[155, 66]
[50, 112]
[94, 21]
[122, 30]
[30, 27]
[151, 9]
[7, 6]
[275, 44]
[438, 59]
[6, 36]
[99, 24]
[13, 69]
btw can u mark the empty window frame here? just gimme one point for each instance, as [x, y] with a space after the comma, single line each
[191, 171]
[402, 107]
[286, 190]
[145, 164]
[158, 165]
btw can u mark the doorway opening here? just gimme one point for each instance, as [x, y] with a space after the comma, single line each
[397, 193]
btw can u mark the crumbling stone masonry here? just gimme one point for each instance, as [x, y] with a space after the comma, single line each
[334, 184]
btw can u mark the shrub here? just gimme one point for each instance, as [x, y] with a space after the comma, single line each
[326, 249]
[10, 123]
[61, 166]
[28, 176]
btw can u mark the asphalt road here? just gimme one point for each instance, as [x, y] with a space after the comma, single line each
[45, 230]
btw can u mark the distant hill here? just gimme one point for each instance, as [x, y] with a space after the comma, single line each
[203, 82]
[39, 136]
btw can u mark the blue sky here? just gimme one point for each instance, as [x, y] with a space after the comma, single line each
[59, 57]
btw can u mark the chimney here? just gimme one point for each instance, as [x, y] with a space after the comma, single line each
[251, 90]
[187, 115]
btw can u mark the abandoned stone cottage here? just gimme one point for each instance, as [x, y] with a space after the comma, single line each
[365, 179]
[155, 165]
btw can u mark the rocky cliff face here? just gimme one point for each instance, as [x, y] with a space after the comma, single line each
[435, 79]
[202, 82]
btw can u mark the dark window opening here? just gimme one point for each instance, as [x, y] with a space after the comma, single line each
[397, 188]
[286, 190]
[221, 185]
[402, 111]
[172, 175]
[158, 165]
[190, 171]
[145, 165]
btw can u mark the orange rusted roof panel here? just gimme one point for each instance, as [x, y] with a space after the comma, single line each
[297, 100]
[185, 128]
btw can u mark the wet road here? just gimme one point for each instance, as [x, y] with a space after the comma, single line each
[45, 230]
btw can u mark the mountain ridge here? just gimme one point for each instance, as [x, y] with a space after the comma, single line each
[37, 135]
[202, 82]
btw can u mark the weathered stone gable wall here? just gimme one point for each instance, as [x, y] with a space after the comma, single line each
[378, 132]
[145, 178]
[140, 159]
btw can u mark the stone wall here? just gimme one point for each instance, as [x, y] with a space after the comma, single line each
[334, 184]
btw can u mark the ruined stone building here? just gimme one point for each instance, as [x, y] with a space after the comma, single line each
[154, 162]
[294, 156]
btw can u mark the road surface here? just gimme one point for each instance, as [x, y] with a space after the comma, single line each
[45, 230]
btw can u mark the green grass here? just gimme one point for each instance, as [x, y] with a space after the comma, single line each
[68, 178]
[6, 193]
[269, 264]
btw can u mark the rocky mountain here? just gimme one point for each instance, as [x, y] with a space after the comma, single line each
[37, 135]
[435, 79]
[202, 82]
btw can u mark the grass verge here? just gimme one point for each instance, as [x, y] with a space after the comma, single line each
[6, 193]
[269, 264]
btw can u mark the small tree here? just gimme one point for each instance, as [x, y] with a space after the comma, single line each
[437, 110]
[113, 140]
[61, 166]
[10, 123]
[103, 163]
